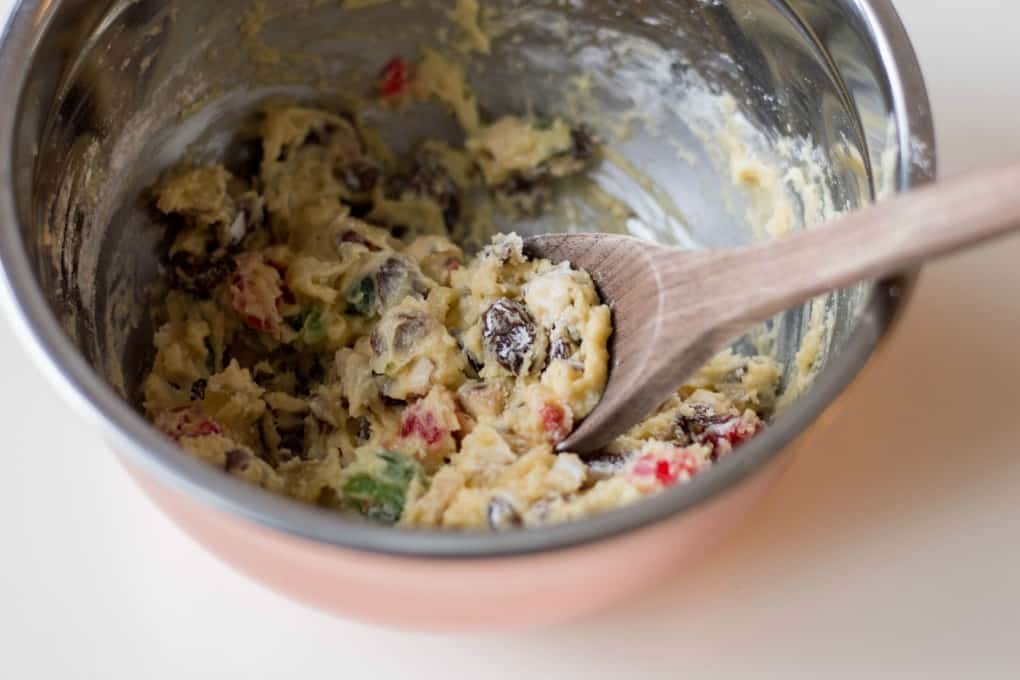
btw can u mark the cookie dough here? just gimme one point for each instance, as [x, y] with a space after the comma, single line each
[325, 337]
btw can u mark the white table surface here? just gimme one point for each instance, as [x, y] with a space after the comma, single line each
[890, 550]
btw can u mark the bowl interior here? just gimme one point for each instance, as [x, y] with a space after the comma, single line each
[726, 121]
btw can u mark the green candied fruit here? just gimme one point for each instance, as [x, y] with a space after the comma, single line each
[313, 331]
[361, 297]
[399, 468]
[381, 496]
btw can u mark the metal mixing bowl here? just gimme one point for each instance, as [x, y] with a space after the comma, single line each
[99, 97]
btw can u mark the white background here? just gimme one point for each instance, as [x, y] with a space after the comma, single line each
[891, 549]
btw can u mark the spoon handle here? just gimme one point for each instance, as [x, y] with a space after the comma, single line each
[888, 237]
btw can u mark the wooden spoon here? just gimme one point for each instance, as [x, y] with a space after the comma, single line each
[673, 309]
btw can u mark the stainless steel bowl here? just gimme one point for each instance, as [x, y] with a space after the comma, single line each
[101, 96]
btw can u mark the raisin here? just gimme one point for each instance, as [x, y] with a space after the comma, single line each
[582, 143]
[509, 333]
[293, 441]
[320, 135]
[475, 363]
[502, 515]
[693, 428]
[378, 342]
[237, 460]
[364, 429]
[410, 330]
[562, 348]
[198, 389]
[199, 275]
[359, 175]
[351, 236]
[396, 279]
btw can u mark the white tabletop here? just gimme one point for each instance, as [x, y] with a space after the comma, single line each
[890, 549]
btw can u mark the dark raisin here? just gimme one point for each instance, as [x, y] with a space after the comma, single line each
[391, 402]
[410, 330]
[582, 143]
[198, 389]
[364, 429]
[561, 348]
[692, 428]
[502, 515]
[262, 376]
[243, 156]
[351, 236]
[292, 442]
[360, 175]
[475, 363]
[199, 275]
[378, 342]
[320, 135]
[237, 460]
[509, 333]
[396, 279]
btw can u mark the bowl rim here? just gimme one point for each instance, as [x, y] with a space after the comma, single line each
[140, 444]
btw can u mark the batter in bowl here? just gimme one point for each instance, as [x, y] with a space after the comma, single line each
[326, 338]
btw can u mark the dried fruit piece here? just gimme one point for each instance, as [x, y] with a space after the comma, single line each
[502, 515]
[188, 421]
[509, 334]
[394, 78]
[199, 275]
[351, 236]
[237, 460]
[360, 175]
[256, 290]
[661, 465]
[721, 432]
[380, 493]
[420, 422]
[396, 279]
[361, 297]
[198, 389]
[555, 422]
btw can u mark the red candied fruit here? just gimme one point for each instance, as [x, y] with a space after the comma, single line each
[667, 471]
[421, 423]
[258, 324]
[553, 422]
[187, 422]
[664, 474]
[732, 431]
[394, 79]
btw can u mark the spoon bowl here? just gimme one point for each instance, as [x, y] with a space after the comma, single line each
[674, 309]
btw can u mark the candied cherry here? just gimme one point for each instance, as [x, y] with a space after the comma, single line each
[394, 78]
[420, 422]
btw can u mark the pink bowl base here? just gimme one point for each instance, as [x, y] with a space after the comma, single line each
[433, 594]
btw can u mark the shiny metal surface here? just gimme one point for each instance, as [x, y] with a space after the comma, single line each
[97, 91]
